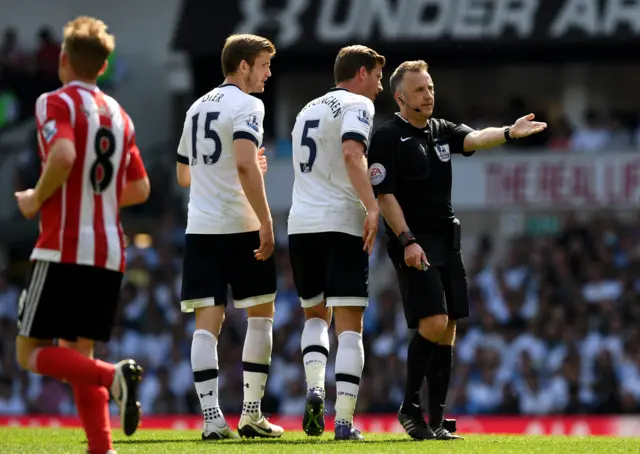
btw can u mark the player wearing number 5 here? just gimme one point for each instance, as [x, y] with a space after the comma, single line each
[332, 227]
[229, 236]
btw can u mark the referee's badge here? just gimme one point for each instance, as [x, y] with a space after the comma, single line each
[377, 173]
[442, 149]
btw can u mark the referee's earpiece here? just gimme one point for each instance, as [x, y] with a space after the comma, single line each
[407, 105]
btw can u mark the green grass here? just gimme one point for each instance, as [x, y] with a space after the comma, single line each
[52, 441]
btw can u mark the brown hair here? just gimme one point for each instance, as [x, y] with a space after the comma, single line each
[350, 59]
[243, 47]
[414, 66]
[88, 45]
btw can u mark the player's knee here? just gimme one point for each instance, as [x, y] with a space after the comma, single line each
[449, 335]
[266, 310]
[82, 346]
[434, 327]
[210, 319]
[318, 311]
[348, 319]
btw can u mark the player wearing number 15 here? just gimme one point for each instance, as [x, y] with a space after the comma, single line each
[332, 226]
[229, 237]
[91, 168]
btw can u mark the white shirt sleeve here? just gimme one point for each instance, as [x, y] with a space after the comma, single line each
[247, 123]
[183, 147]
[357, 121]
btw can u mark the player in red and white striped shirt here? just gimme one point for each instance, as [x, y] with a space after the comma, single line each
[91, 168]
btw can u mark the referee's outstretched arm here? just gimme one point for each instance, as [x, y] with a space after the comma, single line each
[492, 137]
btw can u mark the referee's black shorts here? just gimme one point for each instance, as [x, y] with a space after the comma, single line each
[441, 290]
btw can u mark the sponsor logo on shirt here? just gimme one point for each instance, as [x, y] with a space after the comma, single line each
[364, 117]
[253, 123]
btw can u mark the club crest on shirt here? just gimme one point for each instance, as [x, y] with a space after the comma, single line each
[364, 117]
[377, 173]
[443, 152]
[253, 123]
[49, 130]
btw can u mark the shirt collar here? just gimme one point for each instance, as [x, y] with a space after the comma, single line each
[86, 86]
[426, 129]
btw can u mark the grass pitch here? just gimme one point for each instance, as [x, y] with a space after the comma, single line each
[53, 441]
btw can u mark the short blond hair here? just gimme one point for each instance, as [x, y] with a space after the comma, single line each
[88, 45]
[351, 58]
[243, 47]
[414, 66]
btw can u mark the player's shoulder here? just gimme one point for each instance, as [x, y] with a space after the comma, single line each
[115, 107]
[54, 98]
[250, 103]
[355, 100]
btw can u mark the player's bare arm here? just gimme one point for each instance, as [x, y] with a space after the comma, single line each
[413, 254]
[183, 173]
[493, 137]
[56, 171]
[135, 192]
[252, 182]
[356, 162]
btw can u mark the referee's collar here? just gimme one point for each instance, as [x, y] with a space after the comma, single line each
[426, 129]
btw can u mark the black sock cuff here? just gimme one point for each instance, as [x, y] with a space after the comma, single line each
[255, 367]
[348, 378]
[204, 375]
[315, 349]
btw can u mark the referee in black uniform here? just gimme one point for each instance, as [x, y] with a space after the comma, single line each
[410, 170]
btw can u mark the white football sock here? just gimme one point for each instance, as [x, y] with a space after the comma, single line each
[349, 365]
[204, 362]
[256, 358]
[315, 350]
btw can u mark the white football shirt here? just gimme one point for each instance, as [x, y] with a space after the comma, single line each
[323, 198]
[217, 203]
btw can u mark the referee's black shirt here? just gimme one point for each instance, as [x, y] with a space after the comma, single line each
[414, 164]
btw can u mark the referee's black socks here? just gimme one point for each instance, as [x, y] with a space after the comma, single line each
[419, 357]
[438, 379]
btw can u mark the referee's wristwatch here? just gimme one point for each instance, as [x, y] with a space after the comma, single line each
[407, 238]
[507, 137]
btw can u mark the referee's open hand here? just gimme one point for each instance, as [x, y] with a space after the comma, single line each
[415, 257]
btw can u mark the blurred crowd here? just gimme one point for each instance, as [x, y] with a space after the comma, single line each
[555, 328]
[24, 73]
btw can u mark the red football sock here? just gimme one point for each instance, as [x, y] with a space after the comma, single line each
[92, 403]
[68, 365]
